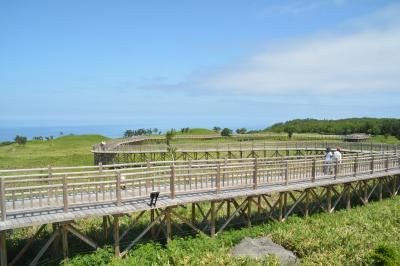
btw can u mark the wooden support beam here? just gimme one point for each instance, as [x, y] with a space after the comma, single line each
[153, 229]
[45, 247]
[307, 202]
[238, 209]
[117, 248]
[249, 200]
[228, 208]
[105, 228]
[193, 213]
[168, 222]
[27, 245]
[380, 190]
[73, 230]
[329, 199]
[212, 219]
[281, 206]
[142, 233]
[348, 196]
[3, 249]
[131, 225]
[186, 221]
[64, 236]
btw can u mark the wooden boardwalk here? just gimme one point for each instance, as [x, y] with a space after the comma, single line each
[61, 195]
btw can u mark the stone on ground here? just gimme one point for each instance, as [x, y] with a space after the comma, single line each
[260, 247]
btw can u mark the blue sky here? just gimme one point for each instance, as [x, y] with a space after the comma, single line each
[197, 63]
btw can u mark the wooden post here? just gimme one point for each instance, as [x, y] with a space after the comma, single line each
[380, 191]
[2, 199]
[372, 166]
[365, 186]
[118, 188]
[355, 168]
[249, 200]
[329, 198]
[65, 193]
[172, 181]
[212, 219]
[348, 196]
[218, 178]
[314, 170]
[193, 213]
[255, 170]
[105, 228]
[3, 249]
[286, 173]
[228, 208]
[307, 202]
[49, 176]
[259, 204]
[168, 222]
[336, 169]
[281, 206]
[387, 163]
[64, 236]
[153, 228]
[116, 236]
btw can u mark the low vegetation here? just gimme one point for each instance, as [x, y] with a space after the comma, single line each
[373, 126]
[360, 236]
[62, 151]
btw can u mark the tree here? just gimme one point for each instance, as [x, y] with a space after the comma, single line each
[226, 132]
[290, 131]
[217, 129]
[20, 140]
[169, 136]
[241, 130]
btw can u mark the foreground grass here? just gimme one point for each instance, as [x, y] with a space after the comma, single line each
[341, 238]
[63, 151]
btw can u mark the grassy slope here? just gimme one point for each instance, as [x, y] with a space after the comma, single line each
[341, 238]
[67, 150]
[197, 131]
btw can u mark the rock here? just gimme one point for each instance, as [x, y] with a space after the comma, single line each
[260, 247]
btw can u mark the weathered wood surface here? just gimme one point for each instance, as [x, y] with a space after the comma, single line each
[33, 196]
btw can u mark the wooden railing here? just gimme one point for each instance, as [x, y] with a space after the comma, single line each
[63, 188]
[115, 144]
[256, 146]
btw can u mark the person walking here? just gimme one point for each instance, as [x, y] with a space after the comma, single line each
[337, 155]
[328, 161]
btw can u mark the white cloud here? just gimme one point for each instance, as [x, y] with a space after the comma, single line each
[364, 59]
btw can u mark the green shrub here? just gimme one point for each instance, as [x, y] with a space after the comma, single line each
[385, 254]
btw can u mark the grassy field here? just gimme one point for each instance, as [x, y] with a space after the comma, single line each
[346, 237]
[62, 151]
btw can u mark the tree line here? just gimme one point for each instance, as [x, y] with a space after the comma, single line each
[373, 126]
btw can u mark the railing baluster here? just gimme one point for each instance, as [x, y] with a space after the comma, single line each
[2, 199]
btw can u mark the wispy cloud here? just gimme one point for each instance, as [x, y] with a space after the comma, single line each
[365, 59]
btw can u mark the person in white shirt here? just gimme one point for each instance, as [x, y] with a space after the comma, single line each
[337, 155]
[328, 161]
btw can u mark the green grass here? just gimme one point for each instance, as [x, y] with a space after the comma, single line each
[347, 237]
[197, 131]
[65, 151]
[383, 139]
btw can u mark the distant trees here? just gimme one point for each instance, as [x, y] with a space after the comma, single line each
[38, 138]
[373, 126]
[241, 130]
[169, 136]
[185, 130]
[217, 129]
[138, 132]
[226, 132]
[20, 140]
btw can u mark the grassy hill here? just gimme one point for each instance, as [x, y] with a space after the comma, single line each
[66, 151]
[197, 131]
